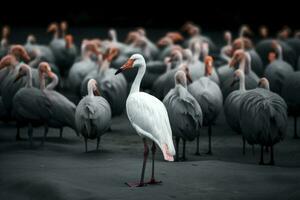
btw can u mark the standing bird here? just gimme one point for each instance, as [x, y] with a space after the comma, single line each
[63, 110]
[263, 118]
[149, 117]
[83, 67]
[278, 70]
[63, 47]
[210, 99]
[93, 114]
[290, 93]
[233, 102]
[251, 79]
[31, 107]
[184, 112]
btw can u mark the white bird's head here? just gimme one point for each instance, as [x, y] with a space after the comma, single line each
[136, 60]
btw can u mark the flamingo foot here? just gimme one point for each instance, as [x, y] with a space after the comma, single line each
[272, 163]
[261, 163]
[184, 159]
[136, 184]
[154, 182]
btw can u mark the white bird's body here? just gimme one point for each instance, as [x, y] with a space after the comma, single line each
[148, 117]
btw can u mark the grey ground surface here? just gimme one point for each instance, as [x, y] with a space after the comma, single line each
[61, 169]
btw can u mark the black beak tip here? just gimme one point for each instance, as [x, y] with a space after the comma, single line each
[119, 71]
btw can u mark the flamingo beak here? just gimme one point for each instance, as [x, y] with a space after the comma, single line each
[232, 63]
[189, 78]
[127, 65]
[234, 81]
[19, 76]
[260, 84]
[96, 92]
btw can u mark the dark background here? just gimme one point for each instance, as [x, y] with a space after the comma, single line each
[211, 15]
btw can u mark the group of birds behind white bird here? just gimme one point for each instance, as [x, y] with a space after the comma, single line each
[187, 82]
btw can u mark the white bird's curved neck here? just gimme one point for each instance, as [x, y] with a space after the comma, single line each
[53, 83]
[90, 90]
[137, 81]
[29, 78]
[42, 80]
[242, 82]
[279, 49]
[103, 67]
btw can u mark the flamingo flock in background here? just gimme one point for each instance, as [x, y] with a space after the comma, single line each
[170, 89]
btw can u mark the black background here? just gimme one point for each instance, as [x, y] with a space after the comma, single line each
[211, 15]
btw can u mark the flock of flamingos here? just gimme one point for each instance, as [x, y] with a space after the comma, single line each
[170, 88]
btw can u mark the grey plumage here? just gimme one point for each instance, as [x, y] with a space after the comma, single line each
[92, 116]
[276, 72]
[263, 117]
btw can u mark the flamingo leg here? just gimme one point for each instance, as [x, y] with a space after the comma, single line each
[18, 137]
[177, 139]
[272, 156]
[146, 153]
[209, 141]
[45, 134]
[253, 150]
[98, 142]
[295, 128]
[61, 132]
[267, 149]
[244, 145]
[30, 130]
[197, 148]
[85, 141]
[152, 180]
[261, 155]
[183, 158]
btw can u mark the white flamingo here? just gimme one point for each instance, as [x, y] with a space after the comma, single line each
[149, 118]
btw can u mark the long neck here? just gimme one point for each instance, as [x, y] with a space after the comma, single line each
[90, 90]
[29, 78]
[137, 81]
[55, 34]
[42, 80]
[224, 55]
[242, 65]
[53, 83]
[103, 66]
[267, 86]
[279, 49]
[196, 55]
[242, 82]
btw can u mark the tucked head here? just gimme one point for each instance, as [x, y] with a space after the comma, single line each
[8, 60]
[23, 70]
[175, 36]
[20, 53]
[53, 27]
[264, 83]
[237, 57]
[208, 65]
[92, 84]
[45, 68]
